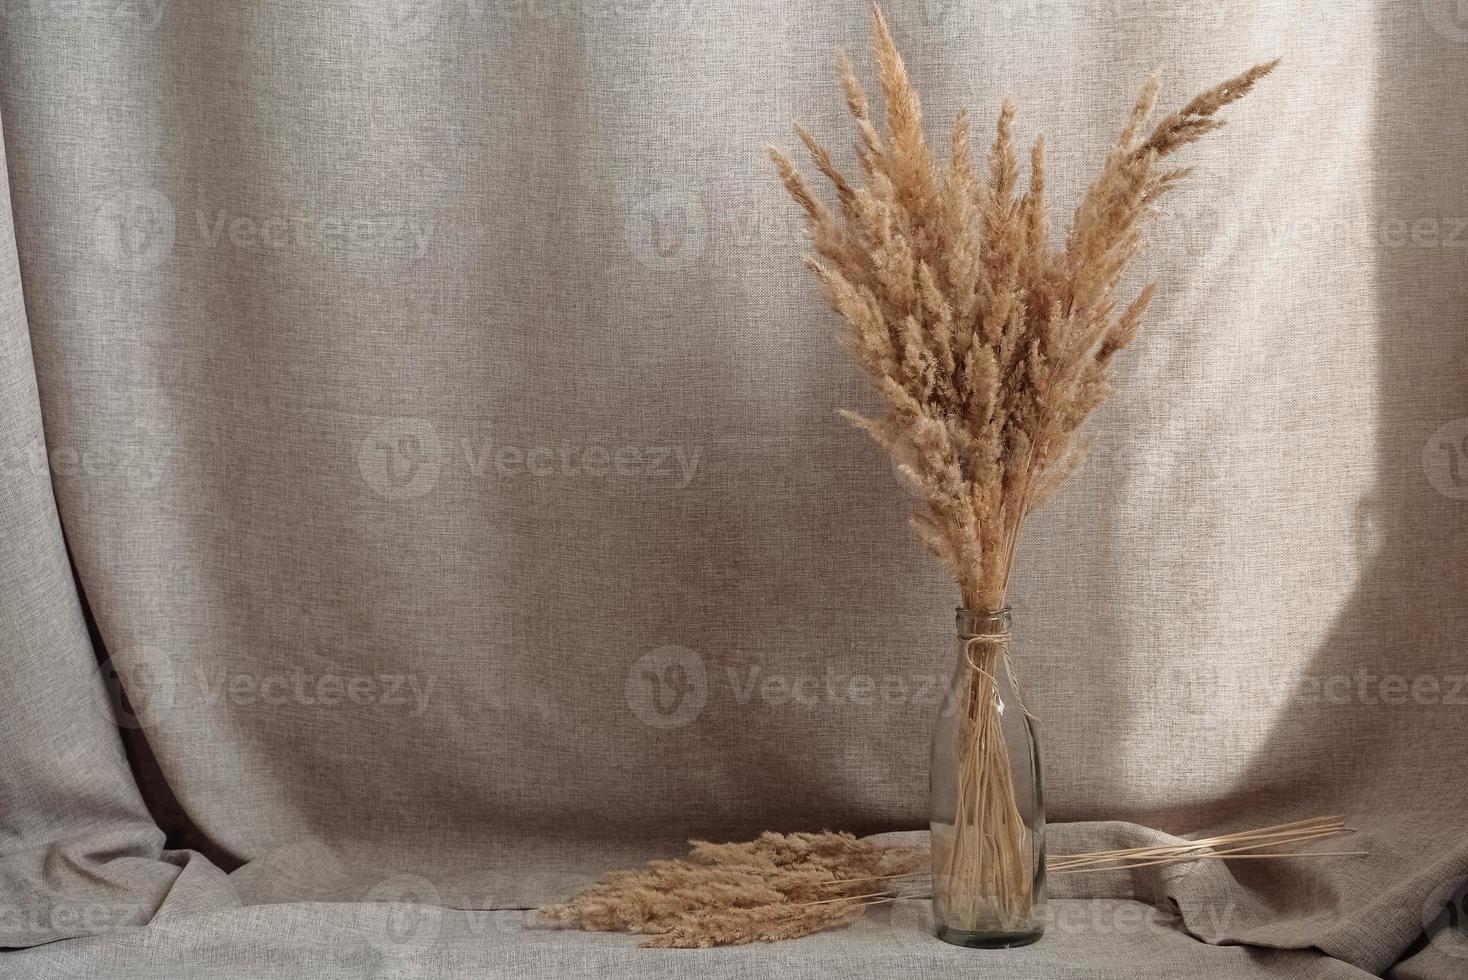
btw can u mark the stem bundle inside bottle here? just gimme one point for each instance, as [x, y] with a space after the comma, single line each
[985, 866]
[988, 817]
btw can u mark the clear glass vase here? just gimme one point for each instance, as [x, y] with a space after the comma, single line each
[987, 797]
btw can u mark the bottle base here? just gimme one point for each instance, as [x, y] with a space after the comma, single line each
[988, 940]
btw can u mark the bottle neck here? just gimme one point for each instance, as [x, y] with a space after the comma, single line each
[983, 624]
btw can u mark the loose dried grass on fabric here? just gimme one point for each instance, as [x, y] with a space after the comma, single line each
[784, 886]
[779, 886]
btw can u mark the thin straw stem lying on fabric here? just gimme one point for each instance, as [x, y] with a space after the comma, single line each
[1220, 856]
[1179, 855]
[1278, 835]
[894, 897]
[1281, 834]
[990, 346]
[1266, 836]
[1306, 826]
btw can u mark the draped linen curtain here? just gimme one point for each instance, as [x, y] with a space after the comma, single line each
[421, 489]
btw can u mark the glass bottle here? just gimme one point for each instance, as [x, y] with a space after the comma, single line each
[987, 797]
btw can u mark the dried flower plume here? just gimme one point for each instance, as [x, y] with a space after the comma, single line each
[780, 886]
[990, 344]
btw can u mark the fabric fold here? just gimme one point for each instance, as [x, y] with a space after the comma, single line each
[79, 852]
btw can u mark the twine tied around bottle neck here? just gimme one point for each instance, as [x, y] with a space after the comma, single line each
[1000, 640]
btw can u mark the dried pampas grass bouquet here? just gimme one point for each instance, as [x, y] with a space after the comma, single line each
[990, 345]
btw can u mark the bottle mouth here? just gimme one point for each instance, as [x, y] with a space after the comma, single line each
[982, 622]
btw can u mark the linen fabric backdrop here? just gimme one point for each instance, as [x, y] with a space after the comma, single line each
[422, 489]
